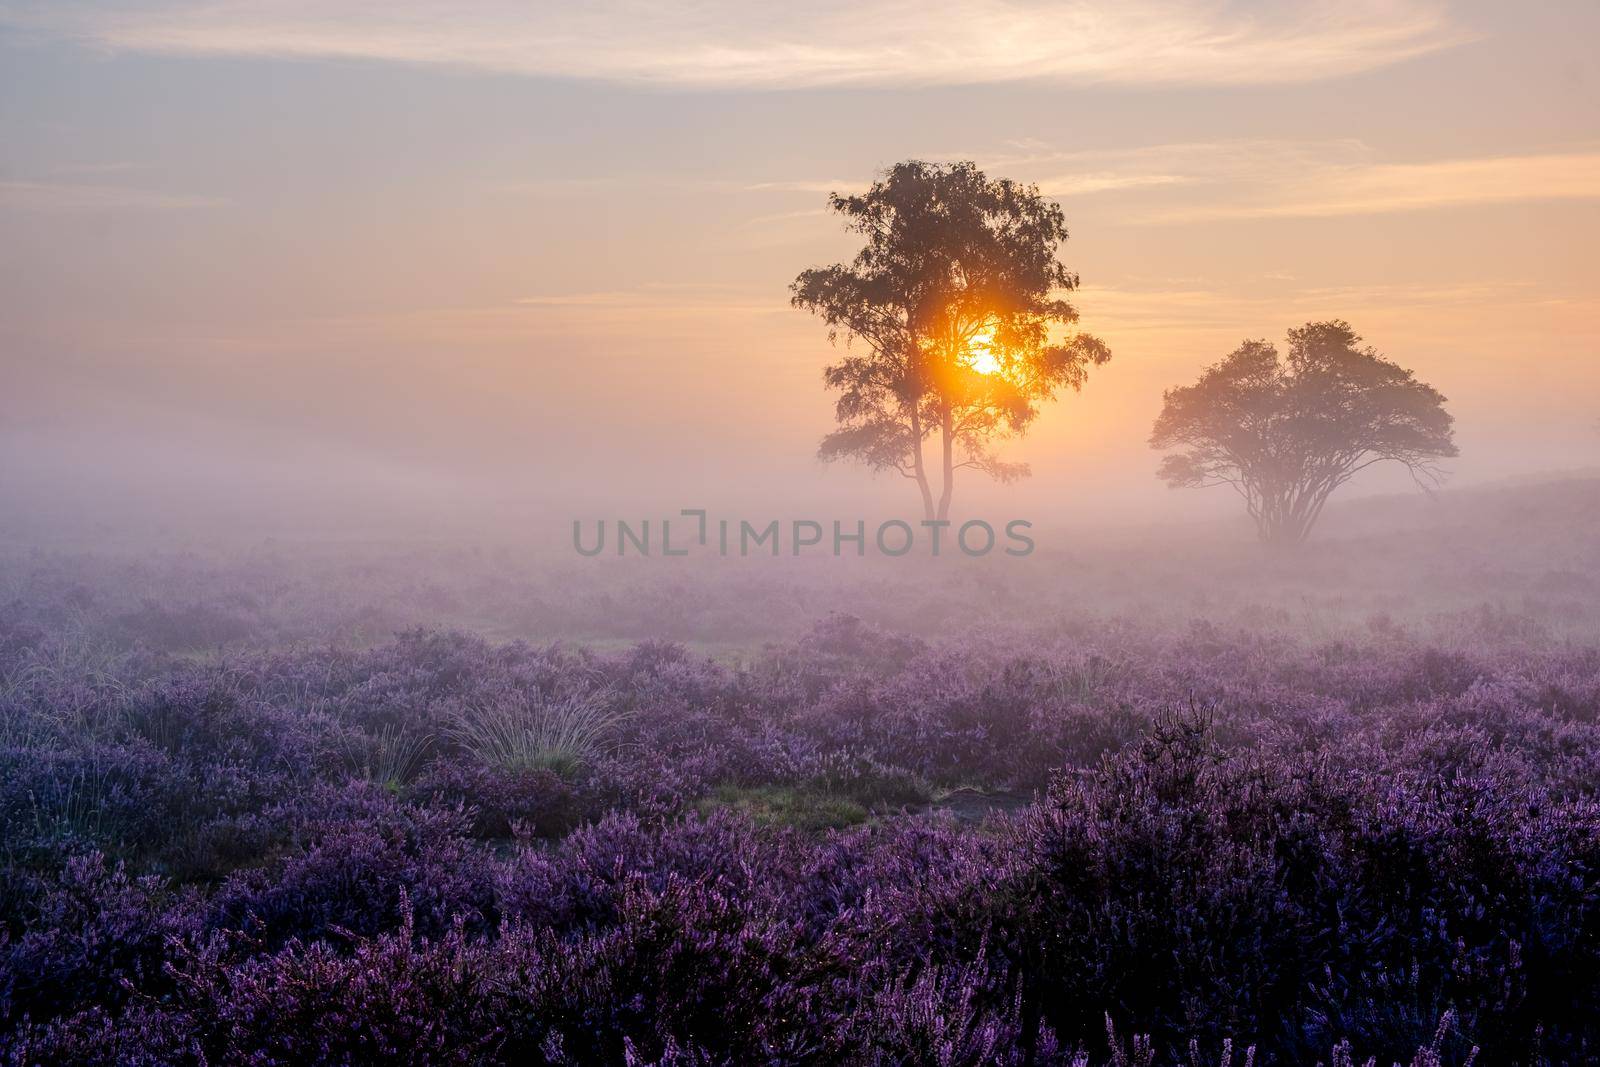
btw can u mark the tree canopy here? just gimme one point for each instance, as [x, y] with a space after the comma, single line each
[1286, 432]
[951, 314]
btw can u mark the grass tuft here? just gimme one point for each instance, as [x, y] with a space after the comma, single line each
[558, 734]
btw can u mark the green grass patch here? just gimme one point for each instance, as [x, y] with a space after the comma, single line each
[830, 803]
[782, 805]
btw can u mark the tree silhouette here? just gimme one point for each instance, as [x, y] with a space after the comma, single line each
[1286, 433]
[954, 299]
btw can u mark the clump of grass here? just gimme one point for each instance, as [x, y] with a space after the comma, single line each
[79, 678]
[73, 808]
[554, 733]
[391, 757]
[874, 786]
[21, 730]
[1087, 681]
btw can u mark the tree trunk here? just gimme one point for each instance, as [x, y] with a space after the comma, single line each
[917, 467]
[949, 465]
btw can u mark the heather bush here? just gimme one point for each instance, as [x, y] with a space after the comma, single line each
[354, 862]
[368, 1000]
[1195, 892]
[500, 802]
[88, 934]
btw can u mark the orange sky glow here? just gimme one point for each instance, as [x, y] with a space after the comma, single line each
[542, 253]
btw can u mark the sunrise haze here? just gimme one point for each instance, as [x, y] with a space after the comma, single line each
[260, 251]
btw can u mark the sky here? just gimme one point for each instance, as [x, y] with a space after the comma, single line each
[260, 252]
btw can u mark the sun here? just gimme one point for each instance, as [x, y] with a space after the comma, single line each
[981, 354]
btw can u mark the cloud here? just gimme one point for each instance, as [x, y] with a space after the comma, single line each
[1203, 182]
[662, 299]
[727, 44]
[119, 166]
[1152, 315]
[1084, 184]
[842, 186]
[1085, 172]
[706, 313]
[1199, 163]
[1127, 308]
[54, 196]
[1396, 187]
[1196, 182]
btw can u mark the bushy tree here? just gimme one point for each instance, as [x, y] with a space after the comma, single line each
[956, 299]
[1286, 432]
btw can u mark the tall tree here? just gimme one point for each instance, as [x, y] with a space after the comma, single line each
[957, 304]
[1286, 432]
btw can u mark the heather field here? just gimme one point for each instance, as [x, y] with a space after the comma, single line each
[295, 805]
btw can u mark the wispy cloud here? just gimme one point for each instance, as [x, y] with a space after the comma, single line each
[1105, 182]
[1182, 322]
[1202, 182]
[661, 299]
[116, 166]
[843, 186]
[1131, 308]
[67, 197]
[1194, 182]
[735, 44]
[1084, 172]
[704, 313]
[1193, 162]
[1395, 187]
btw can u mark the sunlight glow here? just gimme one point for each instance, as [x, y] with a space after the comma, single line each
[980, 352]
